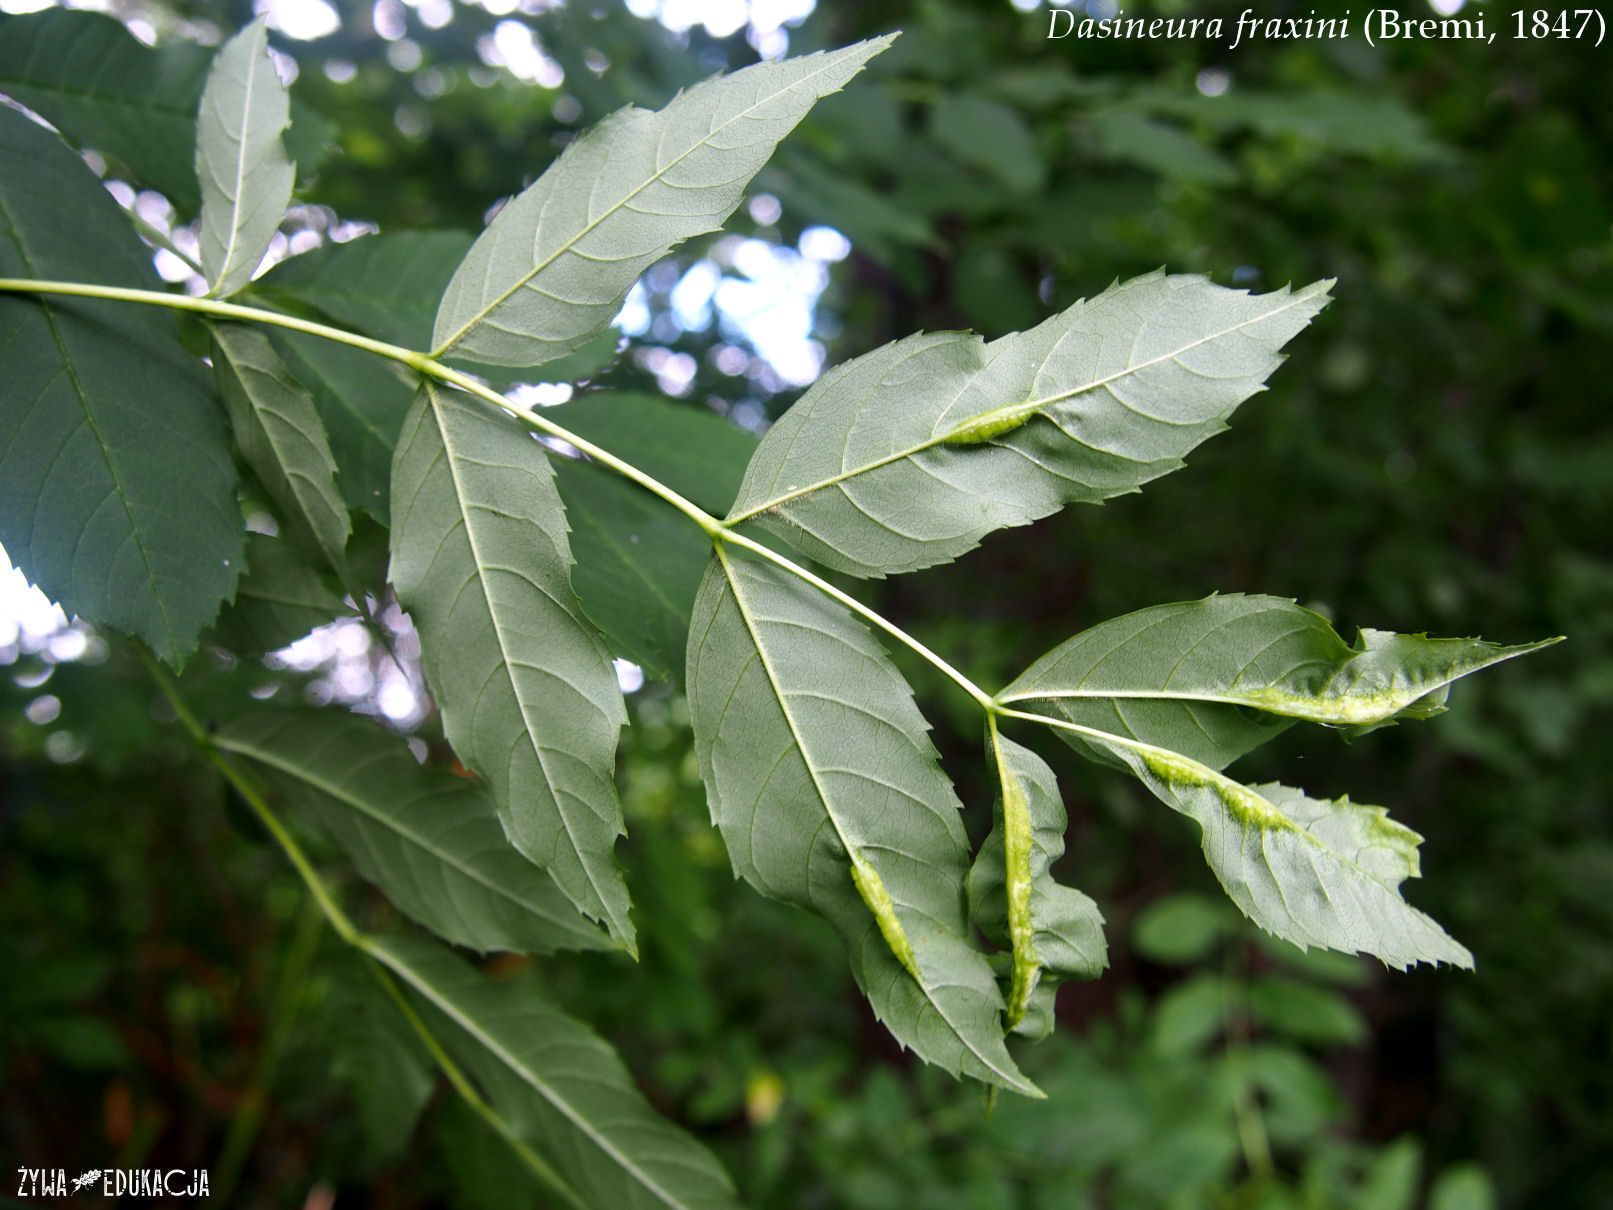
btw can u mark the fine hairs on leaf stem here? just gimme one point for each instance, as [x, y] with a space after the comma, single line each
[348, 932]
[429, 367]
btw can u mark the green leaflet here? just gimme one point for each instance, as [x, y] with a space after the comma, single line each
[1314, 872]
[1182, 676]
[553, 266]
[246, 179]
[362, 402]
[528, 695]
[279, 599]
[102, 88]
[281, 439]
[117, 494]
[562, 1089]
[429, 840]
[1013, 896]
[823, 782]
[908, 456]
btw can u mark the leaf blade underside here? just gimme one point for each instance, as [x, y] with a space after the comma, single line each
[906, 457]
[246, 179]
[555, 263]
[559, 1086]
[528, 693]
[117, 492]
[282, 439]
[822, 779]
[1189, 676]
[430, 841]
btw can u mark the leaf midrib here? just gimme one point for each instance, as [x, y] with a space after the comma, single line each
[488, 308]
[240, 165]
[1027, 409]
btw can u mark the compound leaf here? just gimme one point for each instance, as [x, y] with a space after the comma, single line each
[429, 840]
[554, 265]
[281, 438]
[528, 694]
[908, 456]
[1013, 896]
[1191, 676]
[824, 784]
[117, 493]
[246, 179]
[559, 1087]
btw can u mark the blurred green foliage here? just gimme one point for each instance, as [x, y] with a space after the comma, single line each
[1435, 456]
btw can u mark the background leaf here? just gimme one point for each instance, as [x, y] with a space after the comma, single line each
[909, 455]
[385, 285]
[429, 840]
[246, 179]
[528, 694]
[639, 561]
[563, 1089]
[554, 265]
[822, 779]
[117, 495]
[280, 598]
